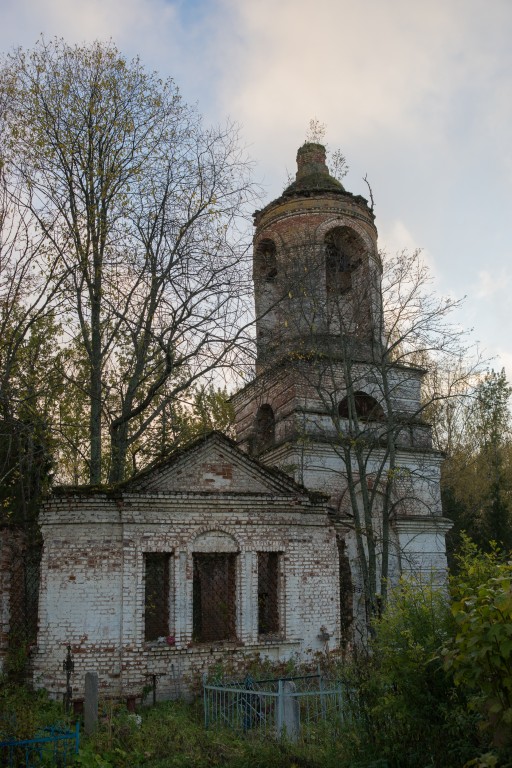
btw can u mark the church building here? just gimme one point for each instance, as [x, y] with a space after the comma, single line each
[279, 544]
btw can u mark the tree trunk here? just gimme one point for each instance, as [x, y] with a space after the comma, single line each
[95, 396]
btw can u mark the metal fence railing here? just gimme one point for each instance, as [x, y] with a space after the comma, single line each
[19, 591]
[55, 746]
[293, 708]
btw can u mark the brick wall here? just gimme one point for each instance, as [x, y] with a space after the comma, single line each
[92, 591]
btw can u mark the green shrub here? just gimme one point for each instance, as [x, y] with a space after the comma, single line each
[23, 712]
[407, 710]
[480, 654]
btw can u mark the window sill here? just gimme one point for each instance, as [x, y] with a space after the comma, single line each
[273, 638]
[263, 641]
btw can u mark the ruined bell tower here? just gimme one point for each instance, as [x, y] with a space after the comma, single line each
[317, 288]
[316, 267]
[328, 405]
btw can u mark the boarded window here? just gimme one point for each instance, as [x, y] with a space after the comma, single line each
[214, 609]
[156, 595]
[268, 593]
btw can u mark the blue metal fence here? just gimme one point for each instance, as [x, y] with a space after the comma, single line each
[293, 708]
[54, 746]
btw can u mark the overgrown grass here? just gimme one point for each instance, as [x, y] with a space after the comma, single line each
[172, 735]
[24, 712]
[378, 734]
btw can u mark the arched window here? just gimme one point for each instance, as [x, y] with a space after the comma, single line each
[264, 428]
[266, 261]
[344, 251]
[366, 406]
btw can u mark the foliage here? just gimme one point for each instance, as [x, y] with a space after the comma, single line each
[198, 411]
[480, 654]
[29, 387]
[23, 712]
[477, 476]
[406, 709]
[172, 735]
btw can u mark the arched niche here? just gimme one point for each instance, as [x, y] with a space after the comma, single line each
[264, 432]
[265, 260]
[214, 541]
[344, 251]
[366, 407]
[214, 587]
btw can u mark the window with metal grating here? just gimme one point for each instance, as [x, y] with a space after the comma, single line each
[156, 595]
[214, 597]
[268, 593]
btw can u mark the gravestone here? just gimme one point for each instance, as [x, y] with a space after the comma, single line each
[91, 702]
[288, 711]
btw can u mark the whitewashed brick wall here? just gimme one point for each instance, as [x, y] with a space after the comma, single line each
[92, 591]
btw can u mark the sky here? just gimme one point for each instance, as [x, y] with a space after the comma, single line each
[417, 95]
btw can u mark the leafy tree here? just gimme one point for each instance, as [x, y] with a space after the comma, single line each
[480, 654]
[137, 207]
[478, 472]
[27, 438]
[197, 412]
[29, 333]
[406, 709]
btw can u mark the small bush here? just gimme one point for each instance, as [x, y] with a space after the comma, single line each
[24, 712]
[480, 653]
[406, 708]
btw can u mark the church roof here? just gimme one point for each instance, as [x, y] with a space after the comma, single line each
[212, 463]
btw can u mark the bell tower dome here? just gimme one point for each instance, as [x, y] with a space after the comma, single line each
[316, 267]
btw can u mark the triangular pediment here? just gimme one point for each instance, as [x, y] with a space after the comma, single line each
[214, 464]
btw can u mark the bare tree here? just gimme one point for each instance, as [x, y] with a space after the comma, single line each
[139, 207]
[357, 336]
[28, 334]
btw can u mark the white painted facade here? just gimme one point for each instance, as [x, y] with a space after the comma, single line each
[211, 499]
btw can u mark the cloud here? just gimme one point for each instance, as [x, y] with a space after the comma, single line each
[75, 21]
[415, 94]
[367, 64]
[378, 74]
[491, 284]
[395, 236]
[175, 37]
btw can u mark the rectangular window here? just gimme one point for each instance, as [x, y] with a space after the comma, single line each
[214, 609]
[156, 595]
[268, 593]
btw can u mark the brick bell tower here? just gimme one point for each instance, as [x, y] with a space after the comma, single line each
[317, 276]
[316, 266]
[320, 337]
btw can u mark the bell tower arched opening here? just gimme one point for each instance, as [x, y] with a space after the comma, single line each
[265, 261]
[344, 251]
[366, 408]
[264, 434]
